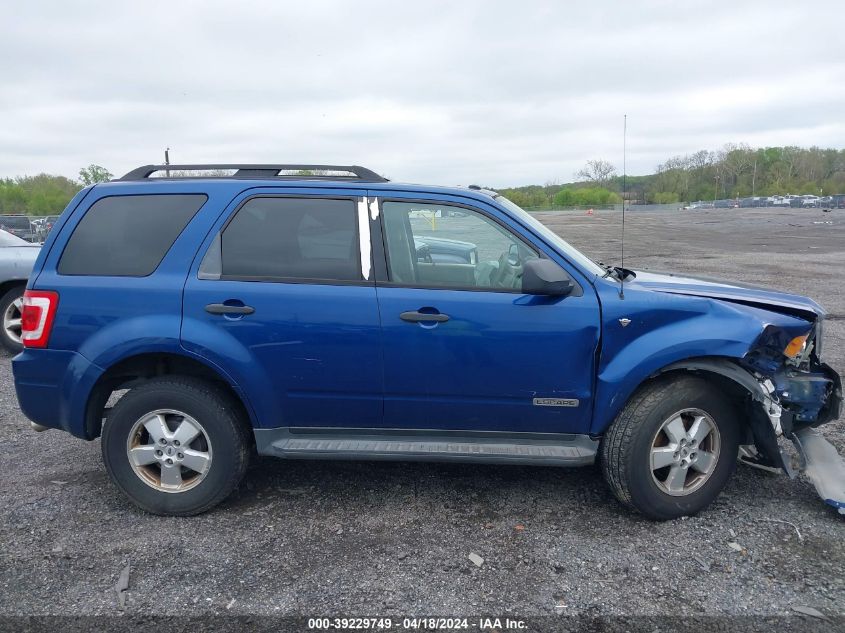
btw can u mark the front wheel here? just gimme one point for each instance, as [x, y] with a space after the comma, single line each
[672, 448]
[175, 446]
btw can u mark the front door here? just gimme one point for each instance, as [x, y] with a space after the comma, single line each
[285, 302]
[464, 348]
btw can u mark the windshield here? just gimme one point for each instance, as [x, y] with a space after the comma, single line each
[7, 239]
[561, 244]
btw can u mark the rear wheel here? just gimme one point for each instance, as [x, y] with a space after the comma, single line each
[672, 448]
[175, 446]
[11, 305]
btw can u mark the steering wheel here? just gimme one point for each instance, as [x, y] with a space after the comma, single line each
[425, 252]
[509, 272]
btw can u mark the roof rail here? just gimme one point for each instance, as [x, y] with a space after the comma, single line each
[259, 171]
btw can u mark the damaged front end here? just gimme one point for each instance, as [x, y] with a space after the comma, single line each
[796, 394]
[778, 376]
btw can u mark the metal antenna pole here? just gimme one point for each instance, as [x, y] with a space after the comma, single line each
[167, 160]
[624, 195]
[754, 180]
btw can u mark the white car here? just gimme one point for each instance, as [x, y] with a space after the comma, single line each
[17, 257]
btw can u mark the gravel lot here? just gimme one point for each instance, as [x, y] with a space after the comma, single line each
[321, 538]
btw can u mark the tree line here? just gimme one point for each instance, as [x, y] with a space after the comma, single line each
[735, 171]
[45, 194]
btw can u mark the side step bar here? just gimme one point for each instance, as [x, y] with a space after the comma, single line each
[549, 449]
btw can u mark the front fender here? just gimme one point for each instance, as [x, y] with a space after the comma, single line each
[622, 377]
[664, 329]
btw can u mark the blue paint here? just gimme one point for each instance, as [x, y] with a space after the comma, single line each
[338, 355]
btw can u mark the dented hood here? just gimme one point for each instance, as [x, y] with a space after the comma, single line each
[729, 291]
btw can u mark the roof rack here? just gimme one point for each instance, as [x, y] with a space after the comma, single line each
[355, 172]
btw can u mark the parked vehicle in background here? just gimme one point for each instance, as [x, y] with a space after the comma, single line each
[794, 201]
[18, 225]
[17, 257]
[340, 317]
[754, 202]
[43, 226]
[38, 230]
[439, 250]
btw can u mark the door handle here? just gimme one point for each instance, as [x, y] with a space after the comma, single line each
[222, 308]
[423, 317]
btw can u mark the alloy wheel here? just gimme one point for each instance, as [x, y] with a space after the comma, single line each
[12, 320]
[684, 452]
[169, 450]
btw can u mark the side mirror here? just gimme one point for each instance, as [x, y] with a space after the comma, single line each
[544, 277]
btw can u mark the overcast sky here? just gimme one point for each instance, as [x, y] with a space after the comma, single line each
[458, 92]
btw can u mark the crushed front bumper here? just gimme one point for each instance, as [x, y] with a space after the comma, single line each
[811, 398]
[800, 402]
[823, 465]
[821, 462]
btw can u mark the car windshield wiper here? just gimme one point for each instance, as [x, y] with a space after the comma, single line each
[617, 272]
[610, 271]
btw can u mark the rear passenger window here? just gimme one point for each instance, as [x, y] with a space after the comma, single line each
[128, 236]
[292, 238]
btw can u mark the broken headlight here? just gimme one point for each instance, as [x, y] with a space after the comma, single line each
[796, 346]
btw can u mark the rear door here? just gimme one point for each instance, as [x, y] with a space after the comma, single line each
[282, 297]
[464, 348]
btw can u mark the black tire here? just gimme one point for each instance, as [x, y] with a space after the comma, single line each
[627, 445]
[221, 419]
[6, 301]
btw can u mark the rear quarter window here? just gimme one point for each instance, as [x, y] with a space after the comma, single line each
[128, 236]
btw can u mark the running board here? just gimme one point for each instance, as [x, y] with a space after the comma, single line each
[548, 449]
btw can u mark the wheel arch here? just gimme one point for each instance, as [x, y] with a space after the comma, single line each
[725, 370]
[7, 285]
[131, 371]
[758, 413]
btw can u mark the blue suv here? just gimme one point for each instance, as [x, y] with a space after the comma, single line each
[194, 315]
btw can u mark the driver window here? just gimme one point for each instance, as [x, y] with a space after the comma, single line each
[443, 246]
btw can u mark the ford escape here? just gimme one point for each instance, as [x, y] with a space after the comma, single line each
[323, 312]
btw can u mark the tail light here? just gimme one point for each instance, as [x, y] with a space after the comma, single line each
[37, 314]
